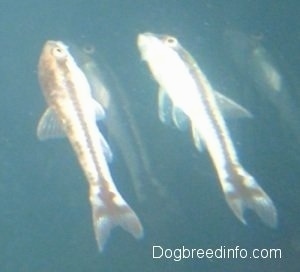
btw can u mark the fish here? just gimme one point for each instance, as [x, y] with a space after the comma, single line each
[183, 84]
[258, 68]
[247, 51]
[73, 112]
[119, 121]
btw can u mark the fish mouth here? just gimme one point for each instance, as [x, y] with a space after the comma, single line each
[146, 41]
[145, 38]
[142, 43]
[142, 40]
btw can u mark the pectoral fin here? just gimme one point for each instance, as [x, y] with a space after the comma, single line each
[197, 138]
[165, 106]
[99, 110]
[231, 109]
[106, 148]
[49, 126]
[180, 119]
[169, 114]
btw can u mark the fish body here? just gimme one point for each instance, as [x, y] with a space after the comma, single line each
[120, 122]
[254, 60]
[183, 84]
[73, 112]
[259, 69]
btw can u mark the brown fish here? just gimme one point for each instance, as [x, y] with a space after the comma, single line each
[73, 112]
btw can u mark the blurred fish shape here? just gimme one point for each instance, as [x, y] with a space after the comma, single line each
[259, 70]
[73, 112]
[119, 121]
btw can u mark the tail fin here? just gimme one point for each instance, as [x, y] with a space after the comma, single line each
[112, 214]
[242, 191]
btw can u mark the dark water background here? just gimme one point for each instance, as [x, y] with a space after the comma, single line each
[45, 215]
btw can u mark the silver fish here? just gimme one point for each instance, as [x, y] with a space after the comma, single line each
[73, 112]
[181, 81]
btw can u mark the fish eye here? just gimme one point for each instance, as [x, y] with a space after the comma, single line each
[59, 52]
[171, 41]
[89, 49]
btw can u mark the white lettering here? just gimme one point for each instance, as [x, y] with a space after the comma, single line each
[156, 256]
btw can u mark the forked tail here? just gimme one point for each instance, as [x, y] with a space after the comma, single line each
[111, 213]
[242, 191]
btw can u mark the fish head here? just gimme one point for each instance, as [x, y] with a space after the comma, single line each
[156, 45]
[53, 60]
[161, 53]
[54, 51]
